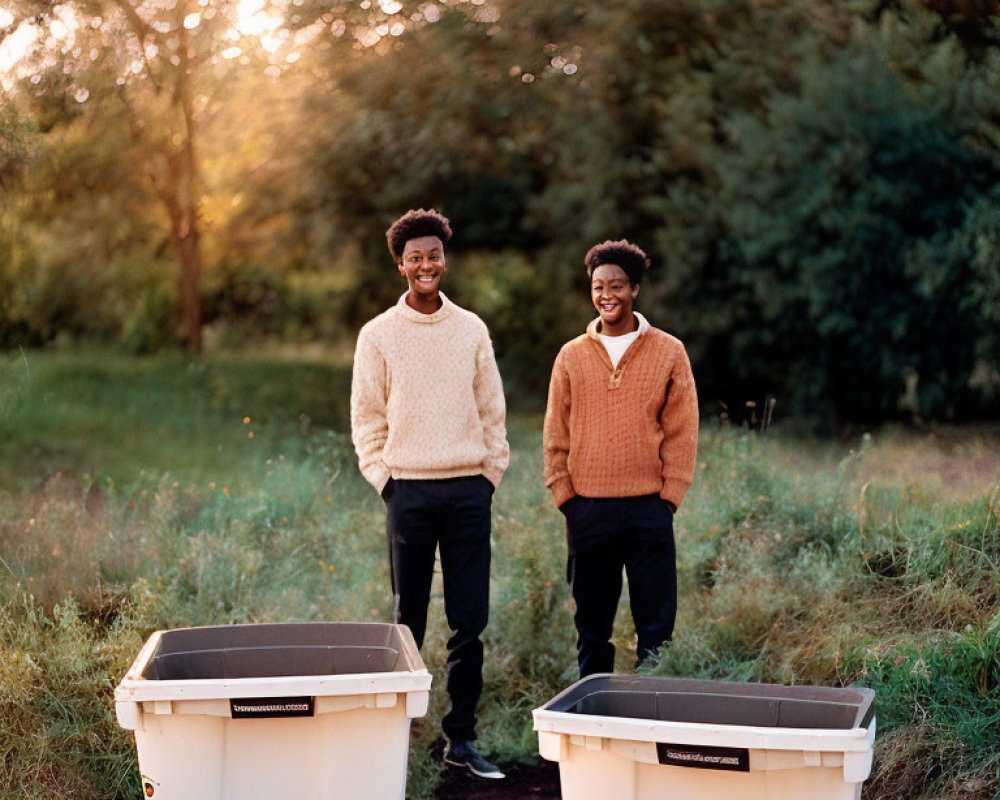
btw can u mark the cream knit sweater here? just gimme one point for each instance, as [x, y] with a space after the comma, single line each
[426, 397]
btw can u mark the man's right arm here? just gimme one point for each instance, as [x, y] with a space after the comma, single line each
[369, 410]
[555, 434]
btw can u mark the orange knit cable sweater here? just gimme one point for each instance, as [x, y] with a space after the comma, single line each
[622, 432]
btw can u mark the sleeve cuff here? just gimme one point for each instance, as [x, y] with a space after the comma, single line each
[673, 492]
[493, 475]
[378, 476]
[562, 490]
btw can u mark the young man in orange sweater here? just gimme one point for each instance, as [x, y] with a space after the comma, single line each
[620, 440]
[428, 423]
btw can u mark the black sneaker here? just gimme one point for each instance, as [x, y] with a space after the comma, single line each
[463, 754]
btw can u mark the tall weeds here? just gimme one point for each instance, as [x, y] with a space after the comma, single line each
[798, 563]
[837, 577]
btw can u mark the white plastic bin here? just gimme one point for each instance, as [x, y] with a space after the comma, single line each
[274, 711]
[640, 738]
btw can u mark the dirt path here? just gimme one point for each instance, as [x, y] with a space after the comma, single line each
[522, 783]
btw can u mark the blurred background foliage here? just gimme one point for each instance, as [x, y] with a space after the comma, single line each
[815, 182]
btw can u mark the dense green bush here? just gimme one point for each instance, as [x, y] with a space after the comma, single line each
[849, 207]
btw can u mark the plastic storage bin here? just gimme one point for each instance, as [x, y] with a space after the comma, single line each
[268, 712]
[640, 738]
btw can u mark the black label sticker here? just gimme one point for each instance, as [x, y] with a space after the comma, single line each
[267, 707]
[735, 759]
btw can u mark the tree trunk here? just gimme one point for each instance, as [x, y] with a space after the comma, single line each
[178, 182]
[190, 258]
[187, 234]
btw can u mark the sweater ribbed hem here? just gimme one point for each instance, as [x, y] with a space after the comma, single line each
[438, 474]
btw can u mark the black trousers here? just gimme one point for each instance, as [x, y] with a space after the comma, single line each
[452, 514]
[604, 536]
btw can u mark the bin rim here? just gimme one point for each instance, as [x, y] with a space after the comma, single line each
[858, 738]
[135, 688]
[696, 733]
[759, 689]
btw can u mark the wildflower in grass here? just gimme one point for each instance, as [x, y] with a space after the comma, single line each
[225, 491]
[246, 420]
[250, 434]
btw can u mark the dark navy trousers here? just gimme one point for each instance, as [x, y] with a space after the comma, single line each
[452, 515]
[605, 536]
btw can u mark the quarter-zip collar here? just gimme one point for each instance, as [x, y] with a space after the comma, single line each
[615, 374]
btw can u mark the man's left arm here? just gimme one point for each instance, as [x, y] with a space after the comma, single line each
[492, 411]
[679, 422]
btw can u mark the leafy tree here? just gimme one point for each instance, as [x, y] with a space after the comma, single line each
[153, 79]
[813, 181]
[845, 206]
[416, 120]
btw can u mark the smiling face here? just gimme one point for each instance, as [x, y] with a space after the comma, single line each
[613, 296]
[423, 265]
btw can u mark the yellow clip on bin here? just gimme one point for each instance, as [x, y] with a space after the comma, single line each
[640, 738]
[261, 712]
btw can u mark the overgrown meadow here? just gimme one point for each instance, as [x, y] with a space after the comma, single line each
[163, 492]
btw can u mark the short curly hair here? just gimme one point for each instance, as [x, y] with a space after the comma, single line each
[622, 253]
[414, 224]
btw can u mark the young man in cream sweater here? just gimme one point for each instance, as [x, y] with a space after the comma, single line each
[620, 439]
[428, 424]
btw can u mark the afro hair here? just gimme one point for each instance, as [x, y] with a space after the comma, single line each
[621, 253]
[414, 224]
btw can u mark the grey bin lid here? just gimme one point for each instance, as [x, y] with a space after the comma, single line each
[718, 703]
[276, 650]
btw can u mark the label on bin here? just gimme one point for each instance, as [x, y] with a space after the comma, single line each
[267, 707]
[736, 759]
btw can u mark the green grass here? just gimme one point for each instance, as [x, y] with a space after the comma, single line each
[98, 414]
[132, 498]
